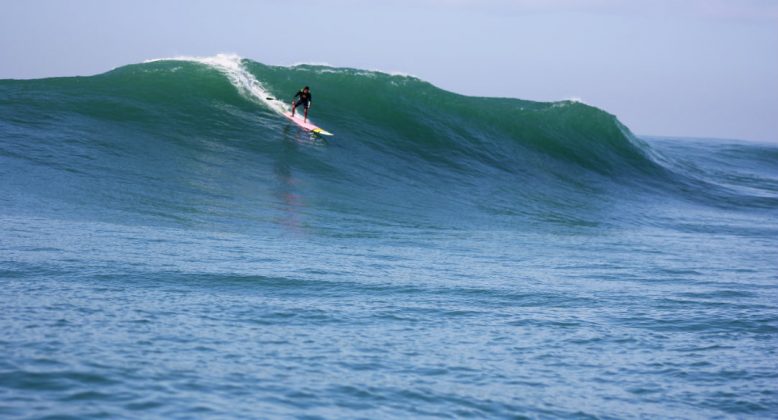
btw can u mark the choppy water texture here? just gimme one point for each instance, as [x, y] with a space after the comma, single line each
[171, 247]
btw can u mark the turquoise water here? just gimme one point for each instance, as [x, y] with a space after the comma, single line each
[171, 247]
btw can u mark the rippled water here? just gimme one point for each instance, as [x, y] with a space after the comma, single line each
[171, 247]
[125, 321]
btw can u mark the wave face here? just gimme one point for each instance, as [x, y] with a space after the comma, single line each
[195, 140]
[171, 246]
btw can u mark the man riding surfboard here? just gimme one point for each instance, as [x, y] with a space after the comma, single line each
[305, 99]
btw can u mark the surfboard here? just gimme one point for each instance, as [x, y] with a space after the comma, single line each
[307, 125]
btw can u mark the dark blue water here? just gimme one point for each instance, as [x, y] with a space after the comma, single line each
[170, 247]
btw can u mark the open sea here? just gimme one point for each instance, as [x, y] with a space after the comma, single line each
[172, 247]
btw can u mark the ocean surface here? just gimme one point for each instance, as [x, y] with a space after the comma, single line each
[172, 247]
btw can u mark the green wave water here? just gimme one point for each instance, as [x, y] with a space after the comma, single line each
[172, 246]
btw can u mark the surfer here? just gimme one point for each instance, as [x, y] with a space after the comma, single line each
[305, 99]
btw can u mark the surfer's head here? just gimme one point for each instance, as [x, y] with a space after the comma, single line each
[306, 89]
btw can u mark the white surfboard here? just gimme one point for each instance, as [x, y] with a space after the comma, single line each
[307, 125]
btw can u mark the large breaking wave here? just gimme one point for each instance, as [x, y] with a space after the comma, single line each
[201, 141]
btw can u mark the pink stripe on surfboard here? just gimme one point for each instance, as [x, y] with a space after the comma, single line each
[299, 120]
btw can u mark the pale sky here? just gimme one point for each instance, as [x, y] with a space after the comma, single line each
[691, 68]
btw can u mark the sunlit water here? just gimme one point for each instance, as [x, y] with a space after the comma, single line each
[182, 256]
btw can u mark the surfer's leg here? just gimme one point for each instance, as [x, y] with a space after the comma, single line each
[294, 107]
[306, 114]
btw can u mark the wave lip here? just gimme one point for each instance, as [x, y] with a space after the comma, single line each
[231, 65]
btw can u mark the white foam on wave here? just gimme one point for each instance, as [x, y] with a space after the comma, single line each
[231, 65]
[574, 99]
[312, 63]
[329, 68]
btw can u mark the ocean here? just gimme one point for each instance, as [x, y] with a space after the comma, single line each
[172, 247]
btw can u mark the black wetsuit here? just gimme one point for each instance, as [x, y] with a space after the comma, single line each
[305, 99]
